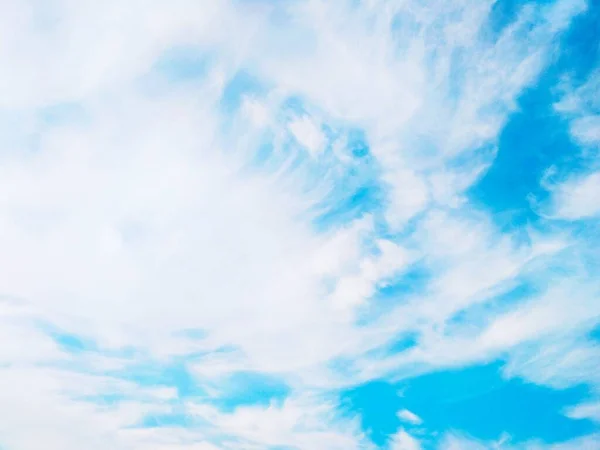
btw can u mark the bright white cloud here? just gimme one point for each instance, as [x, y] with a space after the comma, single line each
[308, 134]
[577, 198]
[585, 411]
[410, 417]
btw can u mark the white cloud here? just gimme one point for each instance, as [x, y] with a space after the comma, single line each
[308, 133]
[303, 422]
[577, 198]
[454, 442]
[587, 129]
[585, 411]
[458, 442]
[561, 362]
[404, 441]
[409, 417]
[359, 284]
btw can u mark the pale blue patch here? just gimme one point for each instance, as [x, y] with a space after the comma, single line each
[398, 344]
[166, 420]
[237, 390]
[293, 106]
[357, 187]
[354, 203]
[480, 313]
[413, 281]
[62, 113]
[250, 389]
[396, 291]
[267, 158]
[404, 27]
[106, 399]
[242, 84]
[502, 14]
[582, 44]
[175, 375]
[15, 134]
[401, 343]
[193, 333]
[344, 169]
[69, 342]
[357, 143]
[183, 64]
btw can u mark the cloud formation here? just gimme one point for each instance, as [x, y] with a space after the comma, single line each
[215, 217]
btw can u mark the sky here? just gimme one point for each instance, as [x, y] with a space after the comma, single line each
[299, 224]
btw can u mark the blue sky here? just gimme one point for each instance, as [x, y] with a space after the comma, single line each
[300, 225]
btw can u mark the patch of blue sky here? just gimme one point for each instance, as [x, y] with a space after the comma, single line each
[351, 202]
[173, 375]
[594, 334]
[461, 399]
[193, 333]
[294, 105]
[475, 400]
[105, 399]
[73, 343]
[234, 390]
[357, 190]
[401, 343]
[357, 143]
[566, 263]
[411, 282]
[265, 154]
[536, 137]
[62, 113]
[175, 419]
[242, 84]
[250, 389]
[396, 291]
[345, 163]
[403, 28]
[506, 12]
[67, 341]
[377, 404]
[395, 346]
[502, 14]
[16, 134]
[183, 64]
[479, 314]
[20, 131]
[77, 344]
